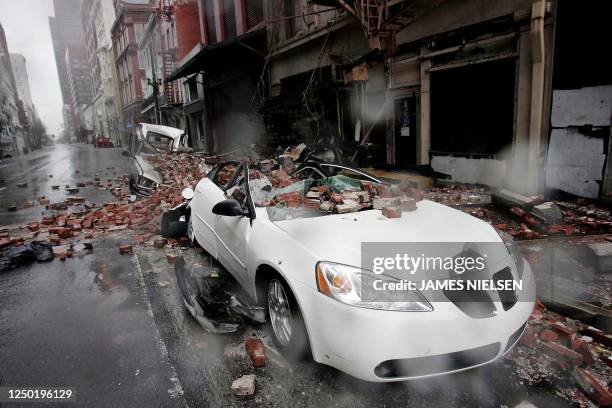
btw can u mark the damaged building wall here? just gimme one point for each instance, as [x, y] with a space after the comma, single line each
[575, 162]
[581, 102]
[496, 38]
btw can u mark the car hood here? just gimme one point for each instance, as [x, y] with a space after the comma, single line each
[338, 237]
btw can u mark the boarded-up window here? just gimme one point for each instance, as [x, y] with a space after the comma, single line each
[254, 12]
[229, 18]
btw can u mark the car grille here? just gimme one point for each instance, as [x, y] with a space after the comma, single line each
[420, 366]
[479, 303]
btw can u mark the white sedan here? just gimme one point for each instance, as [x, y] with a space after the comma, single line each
[307, 270]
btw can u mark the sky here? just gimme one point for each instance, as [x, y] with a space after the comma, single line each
[26, 26]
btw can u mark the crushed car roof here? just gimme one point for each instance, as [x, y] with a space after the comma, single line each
[169, 131]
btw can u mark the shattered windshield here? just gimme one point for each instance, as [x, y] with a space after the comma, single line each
[309, 193]
[159, 141]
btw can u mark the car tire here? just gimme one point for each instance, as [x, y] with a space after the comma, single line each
[286, 322]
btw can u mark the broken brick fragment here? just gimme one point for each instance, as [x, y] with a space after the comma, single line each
[592, 386]
[562, 354]
[125, 249]
[408, 204]
[598, 336]
[519, 212]
[548, 335]
[4, 242]
[160, 242]
[391, 212]
[171, 258]
[256, 351]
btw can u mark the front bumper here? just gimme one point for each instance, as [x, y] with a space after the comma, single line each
[383, 346]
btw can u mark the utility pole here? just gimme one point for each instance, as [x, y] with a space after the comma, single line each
[155, 83]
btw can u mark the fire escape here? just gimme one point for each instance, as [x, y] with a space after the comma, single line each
[172, 90]
[381, 20]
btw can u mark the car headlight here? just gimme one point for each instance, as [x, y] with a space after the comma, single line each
[513, 250]
[344, 284]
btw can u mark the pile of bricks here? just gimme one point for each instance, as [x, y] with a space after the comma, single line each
[323, 198]
[459, 194]
[74, 220]
[568, 350]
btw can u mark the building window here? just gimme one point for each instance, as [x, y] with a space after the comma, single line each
[229, 19]
[254, 12]
[289, 11]
[210, 21]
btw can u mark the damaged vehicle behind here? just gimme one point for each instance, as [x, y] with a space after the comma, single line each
[294, 244]
[149, 141]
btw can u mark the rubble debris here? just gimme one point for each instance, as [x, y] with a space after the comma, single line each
[19, 254]
[210, 301]
[391, 212]
[603, 254]
[593, 387]
[547, 212]
[244, 385]
[551, 343]
[509, 198]
[256, 351]
[125, 249]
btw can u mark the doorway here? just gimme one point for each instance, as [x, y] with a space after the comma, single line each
[405, 130]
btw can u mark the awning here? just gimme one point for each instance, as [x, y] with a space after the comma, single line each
[215, 56]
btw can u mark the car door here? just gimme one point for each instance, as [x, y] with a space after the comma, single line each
[233, 232]
[208, 192]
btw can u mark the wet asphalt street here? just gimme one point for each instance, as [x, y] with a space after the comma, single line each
[113, 326]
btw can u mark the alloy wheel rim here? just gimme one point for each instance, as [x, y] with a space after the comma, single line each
[280, 313]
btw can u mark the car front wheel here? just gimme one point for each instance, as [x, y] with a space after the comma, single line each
[286, 321]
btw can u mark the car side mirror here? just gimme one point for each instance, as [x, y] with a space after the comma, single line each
[126, 153]
[229, 208]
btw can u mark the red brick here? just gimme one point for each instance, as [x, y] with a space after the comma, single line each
[564, 332]
[140, 238]
[4, 242]
[416, 194]
[391, 212]
[592, 387]
[561, 353]
[125, 249]
[501, 226]
[256, 351]
[408, 204]
[312, 205]
[171, 258]
[598, 336]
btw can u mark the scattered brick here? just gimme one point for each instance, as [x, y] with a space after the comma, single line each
[125, 249]
[160, 242]
[256, 351]
[391, 212]
[561, 353]
[593, 387]
[171, 258]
